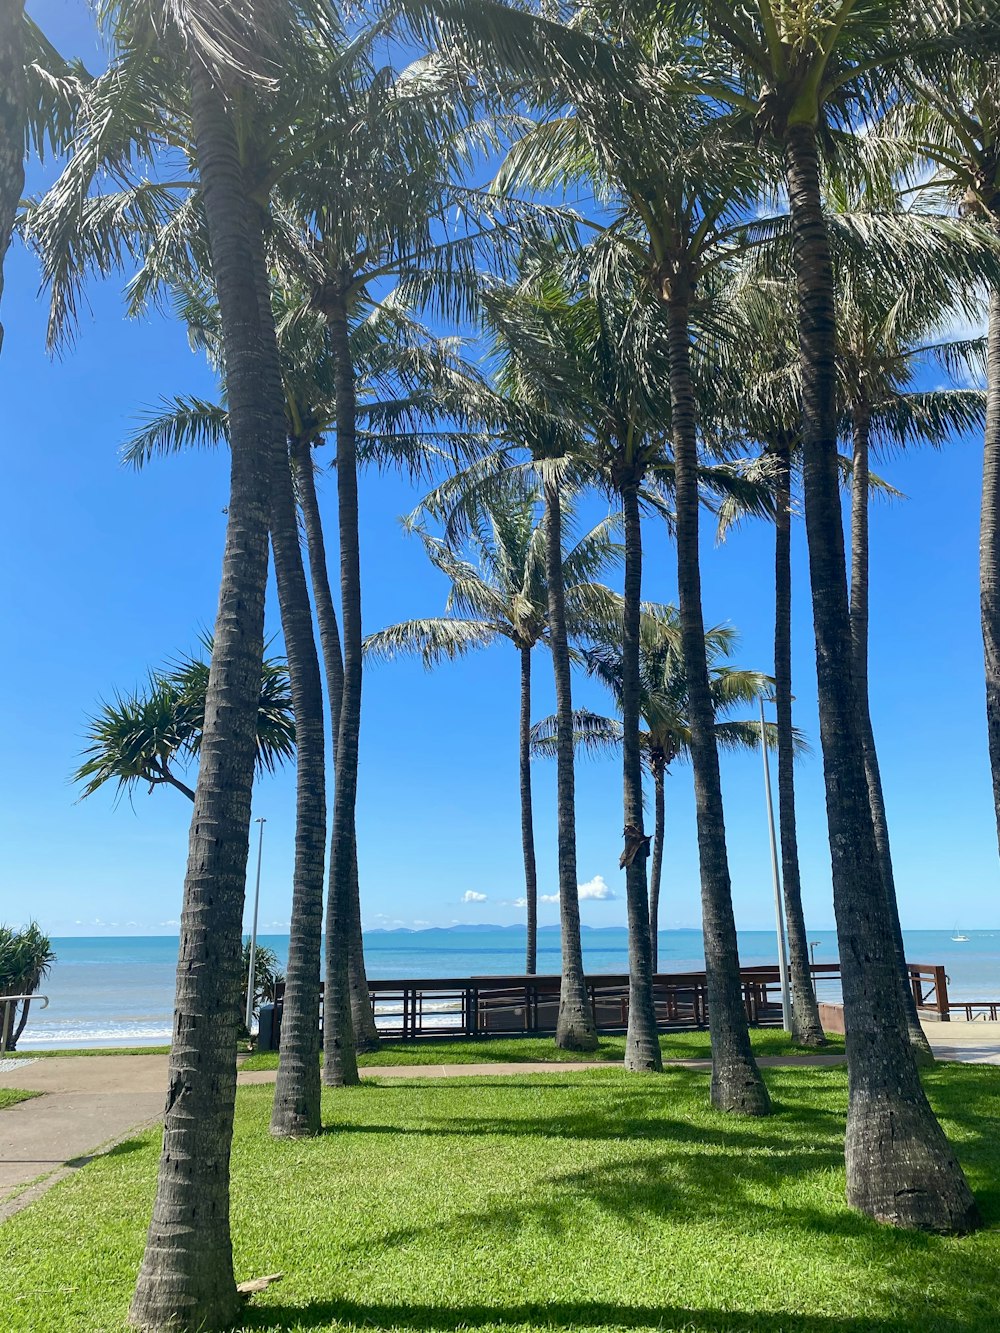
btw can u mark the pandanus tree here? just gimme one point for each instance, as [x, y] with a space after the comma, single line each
[800, 71]
[189, 87]
[26, 958]
[665, 732]
[142, 738]
[503, 596]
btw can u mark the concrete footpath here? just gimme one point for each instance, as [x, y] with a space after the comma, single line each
[89, 1103]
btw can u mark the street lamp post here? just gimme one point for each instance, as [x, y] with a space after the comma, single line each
[251, 978]
[779, 919]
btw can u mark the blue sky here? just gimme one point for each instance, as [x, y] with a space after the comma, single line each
[110, 572]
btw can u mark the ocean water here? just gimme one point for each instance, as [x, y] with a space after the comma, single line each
[118, 991]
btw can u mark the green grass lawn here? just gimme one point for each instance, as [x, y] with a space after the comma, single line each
[674, 1045]
[567, 1201]
[86, 1050]
[11, 1096]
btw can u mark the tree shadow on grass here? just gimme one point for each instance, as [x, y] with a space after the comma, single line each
[582, 1315]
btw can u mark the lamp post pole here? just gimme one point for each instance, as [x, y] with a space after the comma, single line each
[251, 978]
[779, 919]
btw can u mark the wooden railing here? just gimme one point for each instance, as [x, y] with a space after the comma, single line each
[480, 1006]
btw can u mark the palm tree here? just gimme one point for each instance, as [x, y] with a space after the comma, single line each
[396, 135]
[406, 379]
[663, 706]
[801, 70]
[504, 595]
[13, 97]
[140, 738]
[38, 97]
[172, 86]
[954, 122]
[886, 334]
[574, 356]
[26, 957]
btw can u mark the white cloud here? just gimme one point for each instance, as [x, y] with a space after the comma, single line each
[471, 896]
[520, 902]
[549, 898]
[595, 890]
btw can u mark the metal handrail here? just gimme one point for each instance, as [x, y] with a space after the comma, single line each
[8, 1001]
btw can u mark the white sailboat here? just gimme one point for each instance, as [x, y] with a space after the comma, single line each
[958, 937]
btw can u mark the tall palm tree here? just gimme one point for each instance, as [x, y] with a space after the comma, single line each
[171, 88]
[665, 734]
[504, 595]
[575, 355]
[886, 335]
[954, 123]
[13, 97]
[801, 70]
[406, 379]
[140, 738]
[681, 184]
[395, 133]
[38, 97]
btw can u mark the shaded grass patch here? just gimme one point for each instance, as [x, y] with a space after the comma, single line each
[527, 1049]
[565, 1201]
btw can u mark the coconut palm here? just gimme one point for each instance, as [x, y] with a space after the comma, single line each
[193, 83]
[504, 595]
[405, 379]
[666, 733]
[802, 71]
[887, 334]
[396, 135]
[140, 738]
[954, 122]
[26, 957]
[38, 97]
[681, 183]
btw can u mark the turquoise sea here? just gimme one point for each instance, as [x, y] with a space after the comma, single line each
[118, 991]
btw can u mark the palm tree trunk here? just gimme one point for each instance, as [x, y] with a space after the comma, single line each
[989, 548]
[186, 1279]
[859, 645]
[806, 1026]
[736, 1082]
[527, 822]
[295, 1111]
[362, 1015]
[656, 865]
[13, 97]
[340, 1065]
[22, 1023]
[575, 1030]
[642, 1046]
[296, 1108]
[900, 1167]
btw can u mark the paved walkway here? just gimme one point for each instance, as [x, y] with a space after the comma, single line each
[92, 1102]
